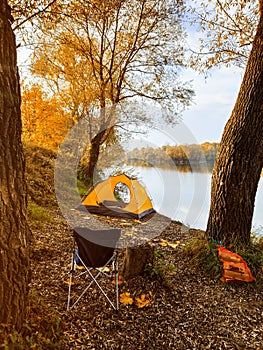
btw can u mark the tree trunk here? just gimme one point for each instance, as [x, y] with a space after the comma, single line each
[94, 152]
[240, 157]
[14, 254]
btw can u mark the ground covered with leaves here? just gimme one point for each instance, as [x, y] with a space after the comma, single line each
[185, 308]
[174, 304]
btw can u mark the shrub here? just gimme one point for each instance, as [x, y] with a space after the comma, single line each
[203, 254]
[160, 269]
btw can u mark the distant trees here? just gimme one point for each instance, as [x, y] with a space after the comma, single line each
[14, 232]
[181, 155]
[99, 54]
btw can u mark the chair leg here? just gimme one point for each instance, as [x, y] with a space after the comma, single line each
[117, 284]
[93, 280]
[102, 291]
[70, 279]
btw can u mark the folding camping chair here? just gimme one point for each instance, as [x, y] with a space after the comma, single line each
[95, 251]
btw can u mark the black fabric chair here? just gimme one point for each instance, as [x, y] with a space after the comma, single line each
[95, 251]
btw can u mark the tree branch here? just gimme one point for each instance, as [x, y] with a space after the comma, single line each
[34, 15]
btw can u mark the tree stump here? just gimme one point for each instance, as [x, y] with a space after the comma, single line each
[136, 259]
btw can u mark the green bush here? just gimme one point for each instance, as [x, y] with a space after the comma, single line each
[253, 255]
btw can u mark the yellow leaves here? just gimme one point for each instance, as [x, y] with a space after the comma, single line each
[175, 244]
[139, 222]
[104, 269]
[141, 301]
[131, 232]
[165, 243]
[125, 299]
[125, 224]
[44, 122]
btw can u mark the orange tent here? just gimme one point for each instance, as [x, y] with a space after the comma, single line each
[101, 198]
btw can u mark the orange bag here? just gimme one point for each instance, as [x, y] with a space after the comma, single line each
[235, 268]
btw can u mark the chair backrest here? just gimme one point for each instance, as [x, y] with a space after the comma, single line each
[96, 247]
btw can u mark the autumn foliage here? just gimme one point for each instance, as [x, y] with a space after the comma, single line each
[45, 123]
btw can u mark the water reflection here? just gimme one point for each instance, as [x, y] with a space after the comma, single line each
[184, 195]
[198, 167]
[195, 167]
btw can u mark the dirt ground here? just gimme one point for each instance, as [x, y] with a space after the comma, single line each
[186, 309]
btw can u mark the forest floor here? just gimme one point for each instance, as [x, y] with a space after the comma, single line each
[186, 310]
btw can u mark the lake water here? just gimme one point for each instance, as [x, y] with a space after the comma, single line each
[185, 196]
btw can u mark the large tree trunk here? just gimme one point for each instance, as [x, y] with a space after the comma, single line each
[240, 157]
[14, 256]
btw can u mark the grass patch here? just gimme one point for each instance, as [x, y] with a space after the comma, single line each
[82, 188]
[38, 215]
[203, 255]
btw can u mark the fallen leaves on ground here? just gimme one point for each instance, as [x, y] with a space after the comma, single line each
[120, 280]
[125, 299]
[165, 243]
[142, 301]
[193, 311]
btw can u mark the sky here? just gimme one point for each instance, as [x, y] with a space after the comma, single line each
[204, 120]
[215, 95]
[214, 100]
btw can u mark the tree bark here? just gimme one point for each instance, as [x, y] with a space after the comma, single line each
[94, 153]
[239, 160]
[14, 233]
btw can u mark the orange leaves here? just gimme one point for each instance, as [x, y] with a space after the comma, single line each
[44, 122]
[120, 280]
[228, 28]
[140, 302]
[125, 299]
[143, 300]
